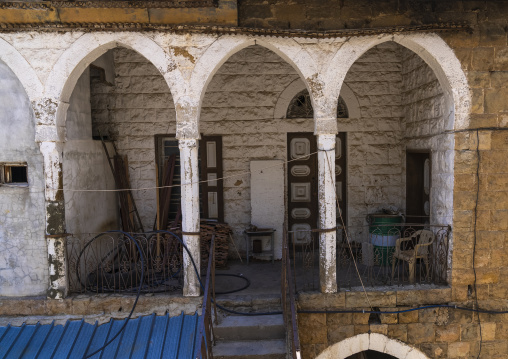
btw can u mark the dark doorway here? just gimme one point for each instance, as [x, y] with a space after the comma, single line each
[418, 184]
[370, 354]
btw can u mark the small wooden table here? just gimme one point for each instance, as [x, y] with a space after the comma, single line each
[261, 233]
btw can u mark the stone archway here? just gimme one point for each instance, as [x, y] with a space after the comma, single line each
[374, 341]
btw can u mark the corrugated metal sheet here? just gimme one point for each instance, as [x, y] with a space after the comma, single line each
[145, 337]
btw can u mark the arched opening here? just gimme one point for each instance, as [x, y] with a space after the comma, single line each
[121, 103]
[370, 346]
[400, 171]
[238, 109]
[22, 223]
[371, 354]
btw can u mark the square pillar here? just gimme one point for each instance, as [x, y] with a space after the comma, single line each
[327, 213]
[55, 219]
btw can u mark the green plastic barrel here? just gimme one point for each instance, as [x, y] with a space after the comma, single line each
[384, 224]
[384, 231]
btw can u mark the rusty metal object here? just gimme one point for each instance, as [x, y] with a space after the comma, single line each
[288, 300]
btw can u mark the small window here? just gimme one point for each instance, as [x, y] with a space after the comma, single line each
[14, 173]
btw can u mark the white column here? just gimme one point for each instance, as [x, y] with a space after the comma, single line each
[190, 213]
[327, 213]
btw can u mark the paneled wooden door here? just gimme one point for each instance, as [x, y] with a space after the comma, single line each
[341, 178]
[302, 186]
[211, 186]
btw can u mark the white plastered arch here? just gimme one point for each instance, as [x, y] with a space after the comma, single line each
[373, 341]
[298, 85]
[431, 48]
[352, 104]
[22, 69]
[222, 49]
[87, 48]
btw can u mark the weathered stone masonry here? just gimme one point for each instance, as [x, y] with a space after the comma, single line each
[325, 90]
[460, 62]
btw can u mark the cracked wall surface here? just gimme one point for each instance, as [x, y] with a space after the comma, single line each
[23, 252]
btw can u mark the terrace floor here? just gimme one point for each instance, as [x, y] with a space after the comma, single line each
[265, 278]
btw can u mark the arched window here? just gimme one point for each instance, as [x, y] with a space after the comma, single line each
[301, 107]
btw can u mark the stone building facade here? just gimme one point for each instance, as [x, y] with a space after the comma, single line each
[415, 76]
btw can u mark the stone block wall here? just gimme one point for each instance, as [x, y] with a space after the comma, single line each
[437, 332]
[375, 141]
[239, 105]
[428, 114]
[132, 111]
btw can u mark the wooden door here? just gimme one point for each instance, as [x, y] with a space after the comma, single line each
[341, 178]
[302, 186]
[211, 188]
[418, 184]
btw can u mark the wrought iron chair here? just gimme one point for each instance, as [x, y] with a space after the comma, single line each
[422, 239]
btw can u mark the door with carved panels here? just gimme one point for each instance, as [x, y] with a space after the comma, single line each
[302, 186]
[341, 178]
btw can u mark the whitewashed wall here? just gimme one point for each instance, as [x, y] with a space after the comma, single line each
[85, 168]
[23, 252]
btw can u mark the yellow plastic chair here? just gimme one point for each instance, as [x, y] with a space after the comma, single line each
[423, 240]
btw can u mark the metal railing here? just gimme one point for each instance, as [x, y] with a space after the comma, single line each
[369, 256]
[205, 337]
[288, 303]
[108, 263]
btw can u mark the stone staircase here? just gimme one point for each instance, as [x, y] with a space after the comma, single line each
[250, 337]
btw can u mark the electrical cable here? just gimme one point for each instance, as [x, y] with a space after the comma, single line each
[477, 310]
[142, 259]
[201, 283]
[247, 284]
[404, 310]
[474, 234]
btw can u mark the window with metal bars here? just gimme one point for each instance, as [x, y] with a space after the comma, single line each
[301, 107]
[14, 173]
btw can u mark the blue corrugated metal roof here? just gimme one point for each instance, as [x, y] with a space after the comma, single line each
[145, 337]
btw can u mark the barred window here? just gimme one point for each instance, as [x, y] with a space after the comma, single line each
[14, 174]
[301, 107]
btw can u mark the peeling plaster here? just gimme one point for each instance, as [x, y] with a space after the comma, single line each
[79, 50]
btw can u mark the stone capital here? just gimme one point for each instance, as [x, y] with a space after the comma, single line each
[324, 126]
[187, 118]
[187, 143]
[50, 116]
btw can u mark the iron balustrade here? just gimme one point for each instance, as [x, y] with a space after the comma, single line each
[108, 263]
[205, 340]
[288, 303]
[365, 256]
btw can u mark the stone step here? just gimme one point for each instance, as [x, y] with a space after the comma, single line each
[250, 303]
[258, 349]
[250, 328]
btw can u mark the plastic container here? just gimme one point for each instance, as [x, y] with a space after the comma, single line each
[384, 232]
